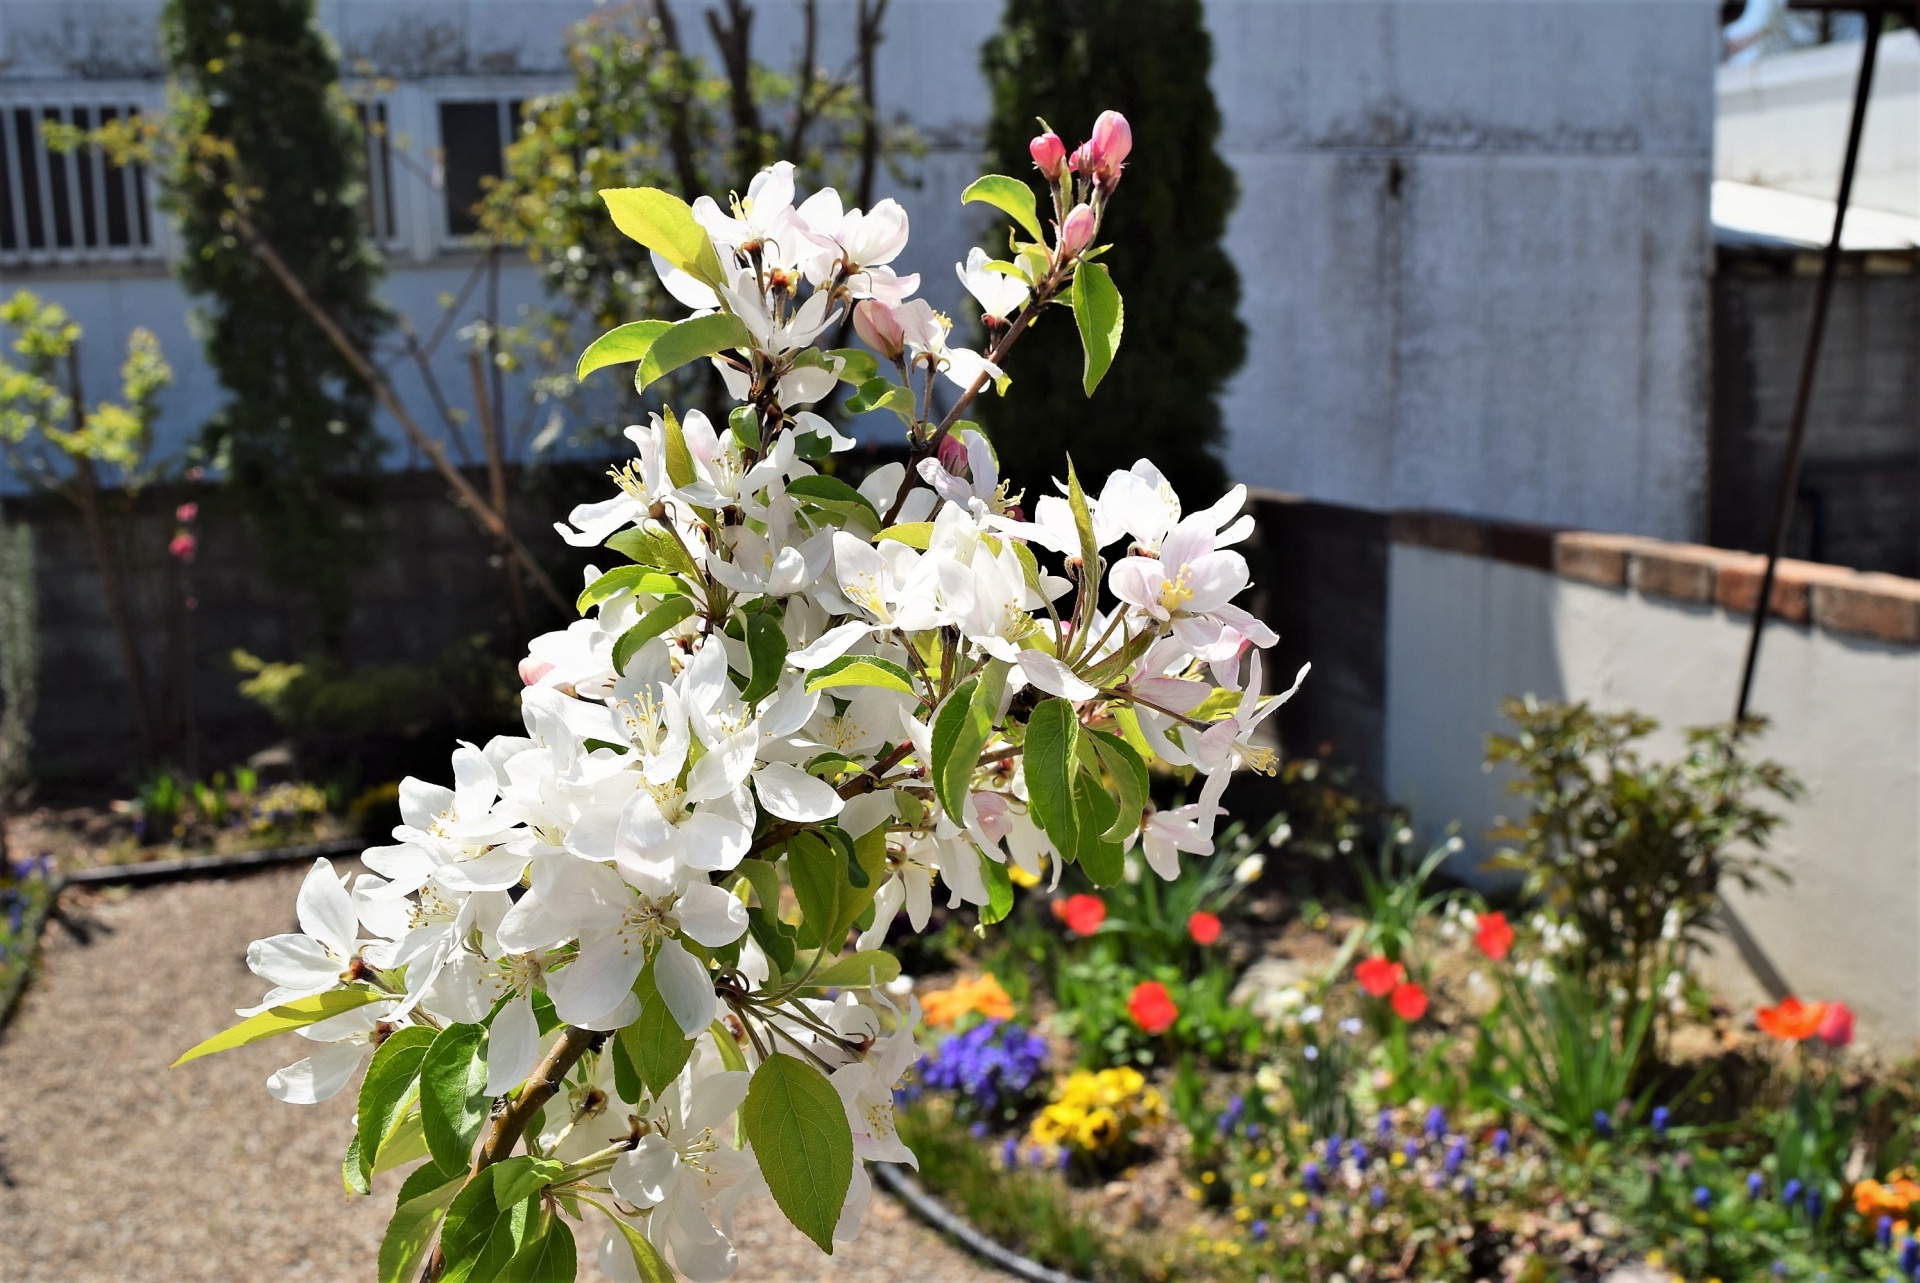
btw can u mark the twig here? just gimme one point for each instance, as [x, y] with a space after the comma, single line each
[470, 498]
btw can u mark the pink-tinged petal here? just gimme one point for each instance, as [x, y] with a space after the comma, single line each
[1247, 626]
[1187, 542]
[1213, 580]
[1176, 694]
[1137, 581]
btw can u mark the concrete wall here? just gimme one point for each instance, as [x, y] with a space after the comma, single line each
[1782, 122]
[1859, 502]
[1466, 629]
[1472, 233]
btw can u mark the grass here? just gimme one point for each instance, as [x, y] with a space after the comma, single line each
[24, 904]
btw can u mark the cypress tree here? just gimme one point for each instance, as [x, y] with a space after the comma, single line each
[1066, 61]
[261, 118]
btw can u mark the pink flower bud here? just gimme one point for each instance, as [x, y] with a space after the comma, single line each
[953, 454]
[186, 512]
[183, 546]
[1836, 1027]
[1077, 232]
[1112, 140]
[1049, 155]
[879, 328]
[532, 670]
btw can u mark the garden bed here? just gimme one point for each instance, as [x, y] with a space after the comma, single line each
[1214, 1078]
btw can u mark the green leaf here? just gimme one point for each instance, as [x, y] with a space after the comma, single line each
[858, 971]
[1094, 813]
[799, 1132]
[406, 1143]
[679, 459]
[1129, 782]
[1098, 312]
[731, 1057]
[547, 1257]
[953, 779]
[1082, 519]
[766, 882]
[665, 224]
[480, 1238]
[629, 342]
[655, 548]
[417, 1213]
[353, 1170]
[861, 670]
[914, 534]
[453, 1094]
[1129, 722]
[645, 1256]
[774, 937]
[656, 621]
[744, 422]
[619, 579]
[296, 1013]
[829, 901]
[860, 364]
[767, 649]
[689, 340]
[655, 1044]
[1010, 196]
[833, 494]
[883, 394]
[999, 891]
[1052, 748]
[390, 1088]
[952, 763]
[522, 1177]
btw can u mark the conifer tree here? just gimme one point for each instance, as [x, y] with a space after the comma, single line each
[1064, 61]
[263, 120]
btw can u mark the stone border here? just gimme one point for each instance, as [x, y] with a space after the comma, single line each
[1847, 602]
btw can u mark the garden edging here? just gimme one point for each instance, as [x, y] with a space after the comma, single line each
[931, 1211]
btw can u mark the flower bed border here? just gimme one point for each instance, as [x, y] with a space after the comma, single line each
[198, 865]
[931, 1211]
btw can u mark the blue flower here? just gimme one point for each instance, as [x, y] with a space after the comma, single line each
[1702, 1197]
[1791, 1194]
[1815, 1204]
[1660, 1120]
[1333, 1150]
[1259, 1231]
[990, 1063]
[1436, 1123]
[1603, 1123]
[1883, 1231]
[1385, 1126]
[1379, 1196]
[1910, 1256]
[1310, 1177]
[1502, 1142]
[1755, 1183]
[977, 1131]
[1358, 1153]
[1411, 1149]
[1010, 1153]
[1456, 1155]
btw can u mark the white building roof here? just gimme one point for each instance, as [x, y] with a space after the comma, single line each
[1744, 214]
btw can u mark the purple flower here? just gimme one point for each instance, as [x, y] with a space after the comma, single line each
[1313, 1216]
[1436, 1123]
[1910, 1256]
[1883, 1231]
[1010, 1153]
[1310, 1177]
[1259, 1231]
[1791, 1194]
[1815, 1204]
[977, 1131]
[1502, 1142]
[989, 1064]
[1385, 1125]
[1379, 1196]
[1358, 1152]
[1456, 1155]
[1660, 1120]
[1333, 1150]
[1702, 1197]
[1755, 1183]
[1411, 1149]
[1603, 1123]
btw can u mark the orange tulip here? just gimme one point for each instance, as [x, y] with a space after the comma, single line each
[1792, 1020]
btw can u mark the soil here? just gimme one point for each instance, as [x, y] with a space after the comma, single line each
[94, 836]
[113, 1168]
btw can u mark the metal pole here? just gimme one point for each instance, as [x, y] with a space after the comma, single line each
[1809, 361]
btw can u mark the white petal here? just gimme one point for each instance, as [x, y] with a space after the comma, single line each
[497, 870]
[647, 1174]
[294, 962]
[710, 915]
[319, 1076]
[792, 794]
[1053, 677]
[853, 1212]
[513, 1046]
[326, 910]
[829, 646]
[685, 986]
[595, 981]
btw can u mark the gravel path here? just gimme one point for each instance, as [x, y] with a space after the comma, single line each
[112, 1168]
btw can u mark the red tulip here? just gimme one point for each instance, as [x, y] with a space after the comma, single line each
[1836, 1026]
[1378, 976]
[1204, 928]
[1409, 1001]
[1495, 937]
[1083, 914]
[1152, 1008]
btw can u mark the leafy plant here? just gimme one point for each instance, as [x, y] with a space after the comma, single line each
[1573, 1057]
[1395, 898]
[1633, 852]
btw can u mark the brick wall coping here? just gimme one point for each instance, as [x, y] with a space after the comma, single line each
[1848, 602]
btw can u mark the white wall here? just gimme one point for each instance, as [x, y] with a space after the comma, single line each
[1472, 233]
[1782, 122]
[1464, 631]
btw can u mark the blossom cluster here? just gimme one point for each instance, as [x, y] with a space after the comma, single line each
[1098, 1114]
[793, 691]
[990, 1065]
